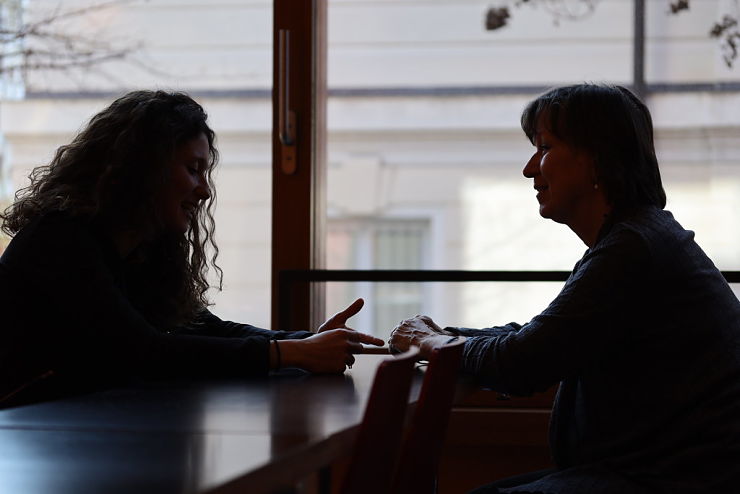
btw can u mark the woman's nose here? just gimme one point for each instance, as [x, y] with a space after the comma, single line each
[531, 168]
[202, 190]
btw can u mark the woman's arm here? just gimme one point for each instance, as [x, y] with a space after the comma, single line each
[592, 315]
[328, 351]
[585, 320]
[208, 324]
[86, 324]
[492, 331]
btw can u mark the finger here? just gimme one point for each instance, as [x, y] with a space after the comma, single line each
[399, 333]
[353, 347]
[350, 360]
[394, 349]
[430, 322]
[366, 338]
[350, 311]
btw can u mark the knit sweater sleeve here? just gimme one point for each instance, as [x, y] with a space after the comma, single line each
[574, 329]
[208, 324]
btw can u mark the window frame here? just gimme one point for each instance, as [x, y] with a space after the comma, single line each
[299, 223]
[299, 198]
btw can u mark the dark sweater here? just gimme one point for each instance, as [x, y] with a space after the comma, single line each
[644, 339]
[64, 309]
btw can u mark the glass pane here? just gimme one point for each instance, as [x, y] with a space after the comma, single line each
[423, 122]
[221, 53]
[469, 304]
[367, 243]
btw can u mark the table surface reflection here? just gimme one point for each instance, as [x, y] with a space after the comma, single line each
[186, 436]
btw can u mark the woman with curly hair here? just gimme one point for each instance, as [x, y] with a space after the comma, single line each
[106, 275]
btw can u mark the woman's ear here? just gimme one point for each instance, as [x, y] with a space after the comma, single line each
[588, 162]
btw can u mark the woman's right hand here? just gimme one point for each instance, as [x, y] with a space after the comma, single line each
[327, 352]
[430, 323]
[420, 331]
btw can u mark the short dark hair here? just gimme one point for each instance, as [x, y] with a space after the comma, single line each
[615, 128]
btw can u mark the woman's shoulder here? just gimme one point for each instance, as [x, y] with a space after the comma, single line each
[651, 217]
[55, 234]
[647, 235]
[50, 222]
[653, 226]
[668, 243]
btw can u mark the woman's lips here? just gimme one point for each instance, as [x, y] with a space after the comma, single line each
[189, 209]
[540, 189]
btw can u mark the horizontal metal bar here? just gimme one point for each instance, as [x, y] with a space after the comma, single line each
[694, 87]
[446, 91]
[415, 275]
[400, 91]
[436, 91]
[427, 275]
[731, 276]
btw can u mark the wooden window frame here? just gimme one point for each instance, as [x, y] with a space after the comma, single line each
[299, 193]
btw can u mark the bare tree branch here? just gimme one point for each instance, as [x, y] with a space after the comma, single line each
[677, 6]
[571, 10]
[726, 30]
[49, 43]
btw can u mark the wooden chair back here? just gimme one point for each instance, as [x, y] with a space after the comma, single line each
[422, 446]
[375, 453]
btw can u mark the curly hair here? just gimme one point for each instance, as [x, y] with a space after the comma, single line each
[615, 128]
[111, 174]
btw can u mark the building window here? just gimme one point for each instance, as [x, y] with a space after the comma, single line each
[377, 243]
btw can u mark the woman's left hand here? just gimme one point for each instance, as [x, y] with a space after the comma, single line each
[339, 320]
[330, 351]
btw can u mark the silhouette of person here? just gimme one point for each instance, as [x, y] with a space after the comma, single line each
[643, 339]
[106, 274]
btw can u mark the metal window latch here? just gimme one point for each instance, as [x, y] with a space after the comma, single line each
[286, 117]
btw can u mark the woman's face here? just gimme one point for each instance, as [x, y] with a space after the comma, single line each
[564, 178]
[186, 186]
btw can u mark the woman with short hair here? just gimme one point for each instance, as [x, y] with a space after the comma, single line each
[643, 339]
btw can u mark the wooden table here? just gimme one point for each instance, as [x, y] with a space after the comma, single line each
[186, 436]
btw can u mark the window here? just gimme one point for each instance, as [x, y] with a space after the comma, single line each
[11, 80]
[423, 114]
[222, 55]
[421, 126]
[378, 243]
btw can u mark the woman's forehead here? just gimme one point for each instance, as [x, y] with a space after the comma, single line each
[543, 122]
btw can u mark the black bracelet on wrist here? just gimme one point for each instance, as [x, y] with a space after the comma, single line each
[454, 338]
[278, 357]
